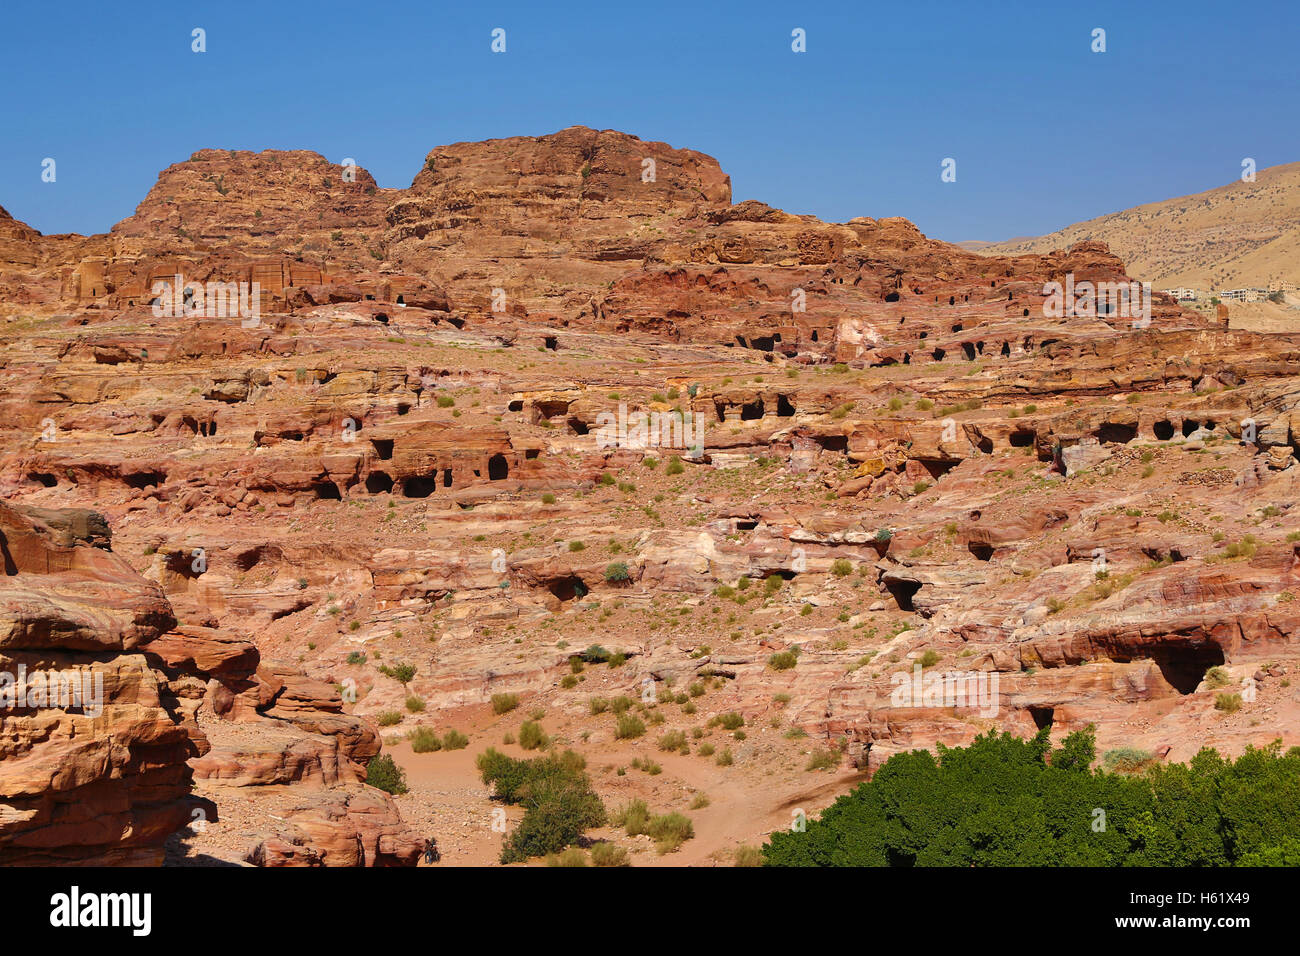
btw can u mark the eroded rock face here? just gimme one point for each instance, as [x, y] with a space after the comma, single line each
[92, 771]
[537, 407]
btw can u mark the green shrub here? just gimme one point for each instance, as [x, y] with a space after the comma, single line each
[504, 703]
[609, 854]
[1217, 677]
[384, 773]
[1228, 703]
[573, 856]
[556, 793]
[748, 856]
[841, 567]
[531, 736]
[633, 817]
[1126, 759]
[595, 654]
[730, 720]
[629, 726]
[454, 740]
[670, 831]
[674, 740]
[424, 740]
[616, 572]
[387, 718]
[783, 660]
[823, 759]
[402, 673]
[1009, 801]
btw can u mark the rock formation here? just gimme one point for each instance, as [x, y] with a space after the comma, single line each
[455, 449]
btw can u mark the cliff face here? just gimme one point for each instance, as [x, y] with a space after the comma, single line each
[101, 694]
[407, 497]
[569, 228]
[93, 770]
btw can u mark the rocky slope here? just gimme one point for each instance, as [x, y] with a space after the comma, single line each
[1233, 236]
[407, 490]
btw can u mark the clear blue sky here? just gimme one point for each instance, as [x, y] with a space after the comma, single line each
[1044, 131]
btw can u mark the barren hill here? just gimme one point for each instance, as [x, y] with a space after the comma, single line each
[1241, 234]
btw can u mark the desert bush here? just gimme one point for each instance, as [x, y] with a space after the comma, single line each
[531, 736]
[402, 673]
[783, 660]
[609, 854]
[1228, 703]
[1217, 677]
[454, 740]
[556, 792]
[504, 703]
[670, 831]
[384, 773]
[674, 740]
[1126, 759]
[730, 720]
[633, 817]
[823, 759]
[629, 726]
[748, 856]
[573, 856]
[424, 740]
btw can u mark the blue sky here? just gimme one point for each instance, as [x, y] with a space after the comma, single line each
[1044, 131]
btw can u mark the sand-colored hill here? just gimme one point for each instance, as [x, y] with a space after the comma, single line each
[1241, 234]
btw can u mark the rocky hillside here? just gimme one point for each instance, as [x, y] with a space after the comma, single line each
[419, 498]
[1239, 235]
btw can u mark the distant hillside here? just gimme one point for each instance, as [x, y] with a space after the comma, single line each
[979, 245]
[1242, 234]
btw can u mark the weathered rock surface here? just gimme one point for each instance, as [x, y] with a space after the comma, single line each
[455, 458]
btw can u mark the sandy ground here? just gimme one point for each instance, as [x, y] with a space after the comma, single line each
[747, 801]
[1263, 317]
